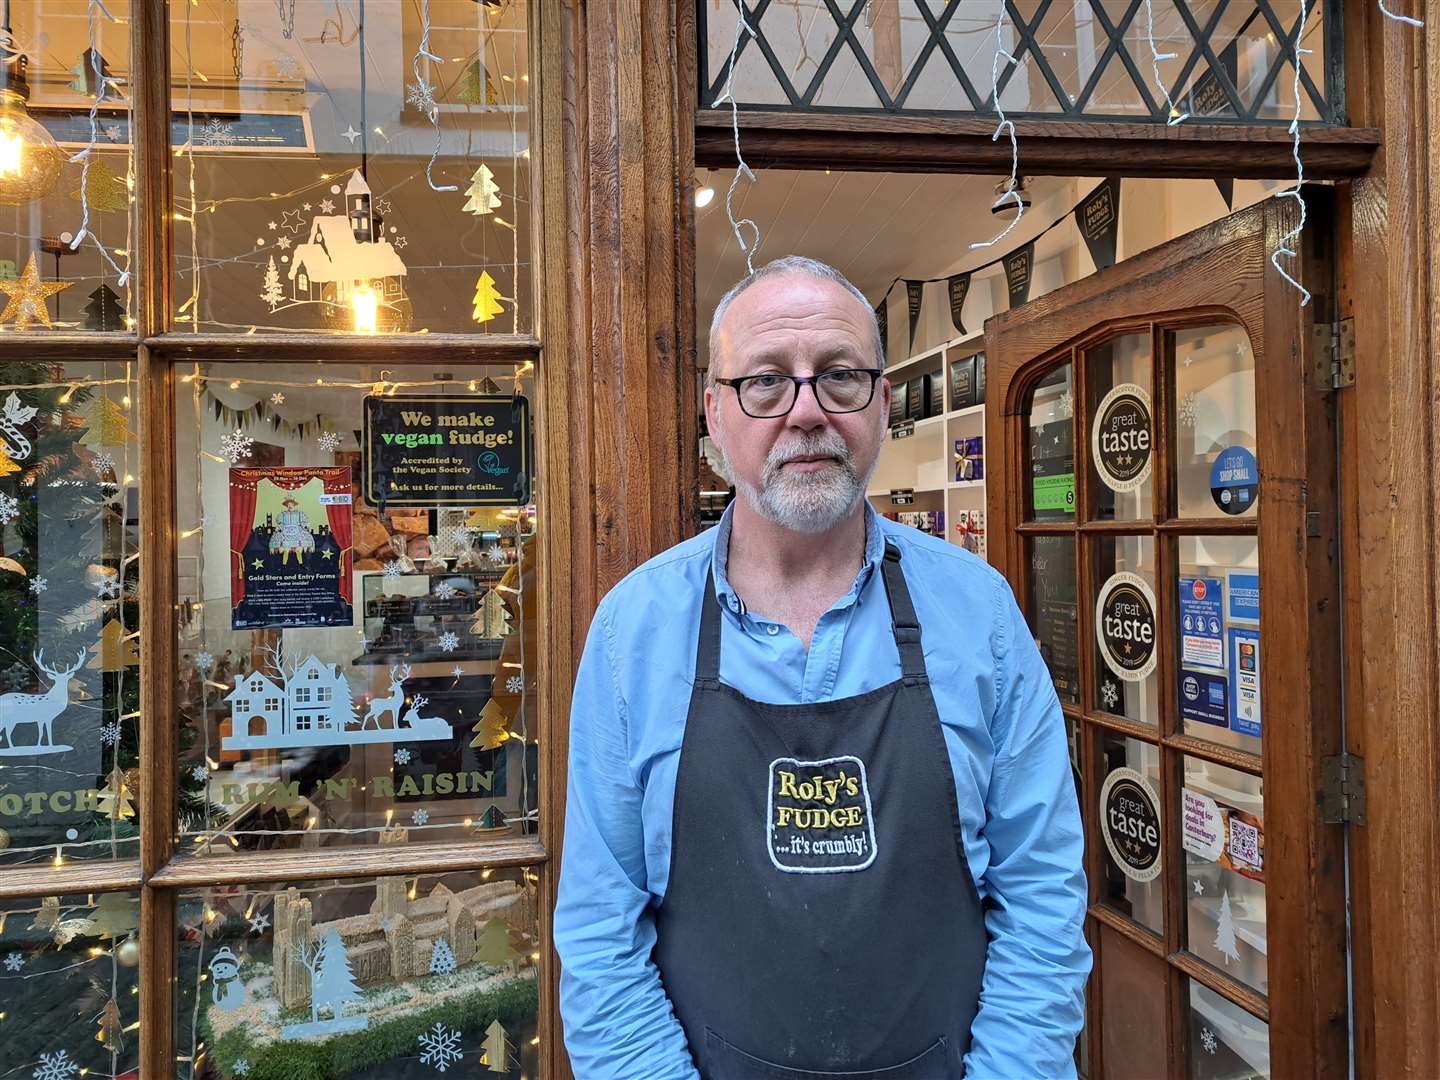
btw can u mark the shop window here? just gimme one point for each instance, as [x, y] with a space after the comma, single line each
[1081, 60]
[1132, 833]
[1120, 416]
[361, 545]
[318, 978]
[70, 985]
[1224, 836]
[1051, 451]
[1052, 612]
[1216, 471]
[1225, 1040]
[330, 177]
[69, 577]
[1217, 634]
[66, 169]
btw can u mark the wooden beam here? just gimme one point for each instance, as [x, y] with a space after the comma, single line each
[437, 350]
[899, 143]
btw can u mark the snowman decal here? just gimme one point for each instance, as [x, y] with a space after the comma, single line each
[226, 989]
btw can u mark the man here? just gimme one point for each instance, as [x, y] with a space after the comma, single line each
[820, 816]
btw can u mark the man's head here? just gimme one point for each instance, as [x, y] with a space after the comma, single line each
[806, 470]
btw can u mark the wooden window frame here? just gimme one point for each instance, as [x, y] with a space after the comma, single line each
[158, 874]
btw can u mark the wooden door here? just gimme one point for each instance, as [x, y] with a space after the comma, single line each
[1163, 503]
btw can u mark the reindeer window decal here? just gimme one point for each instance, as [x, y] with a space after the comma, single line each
[39, 710]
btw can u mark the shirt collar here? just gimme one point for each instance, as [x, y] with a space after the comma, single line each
[874, 552]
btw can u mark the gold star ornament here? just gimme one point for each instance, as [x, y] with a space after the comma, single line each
[27, 295]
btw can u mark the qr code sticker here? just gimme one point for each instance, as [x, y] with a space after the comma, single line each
[1244, 843]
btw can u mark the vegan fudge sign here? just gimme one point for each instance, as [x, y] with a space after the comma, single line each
[447, 451]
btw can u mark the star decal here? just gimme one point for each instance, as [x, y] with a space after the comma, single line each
[351, 134]
[294, 226]
[400, 243]
[260, 922]
[272, 226]
[258, 564]
[1199, 885]
[306, 206]
[327, 554]
[27, 295]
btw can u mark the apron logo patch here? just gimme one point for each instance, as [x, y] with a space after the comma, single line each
[819, 818]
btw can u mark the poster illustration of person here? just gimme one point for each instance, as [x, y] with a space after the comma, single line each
[290, 555]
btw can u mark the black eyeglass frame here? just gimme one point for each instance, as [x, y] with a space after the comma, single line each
[796, 382]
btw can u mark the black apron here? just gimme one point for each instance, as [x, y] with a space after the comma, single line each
[820, 918]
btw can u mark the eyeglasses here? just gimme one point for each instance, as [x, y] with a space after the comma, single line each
[843, 390]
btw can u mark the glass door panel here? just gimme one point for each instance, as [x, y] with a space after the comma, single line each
[1120, 415]
[1132, 988]
[1131, 831]
[1217, 640]
[1216, 472]
[1127, 649]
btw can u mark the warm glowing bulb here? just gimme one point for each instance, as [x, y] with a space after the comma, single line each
[30, 162]
[366, 306]
[703, 197]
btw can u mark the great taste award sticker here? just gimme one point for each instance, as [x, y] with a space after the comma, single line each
[819, 818]
[1120, 439]
[1130, 820]
[1125, 625]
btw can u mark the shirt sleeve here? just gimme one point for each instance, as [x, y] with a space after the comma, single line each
[1032, 997]
[618, 1021]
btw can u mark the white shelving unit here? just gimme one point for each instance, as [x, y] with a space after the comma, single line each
[924, 460]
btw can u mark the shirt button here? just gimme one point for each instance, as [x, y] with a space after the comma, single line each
[734, 604]
[772, 629]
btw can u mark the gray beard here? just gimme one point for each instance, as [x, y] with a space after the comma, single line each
[809, 503]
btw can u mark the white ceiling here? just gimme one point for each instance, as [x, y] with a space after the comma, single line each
[872, 227]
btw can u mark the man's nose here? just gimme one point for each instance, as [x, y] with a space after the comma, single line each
[807, 412]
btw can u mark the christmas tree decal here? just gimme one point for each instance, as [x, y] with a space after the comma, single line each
[109, 1035]
[272, 292]
[104, 312]
[1225, 933]
[483, 192]
[113, 800]
[105, 423]
[85, 81]
[493, 946]
[7, 466]
[492, 729]
[113, 648]
[332, 987]
[442, 958]
[115, 915]
[487, 300]
[496, 1051]
[476, 87]
[105, 189]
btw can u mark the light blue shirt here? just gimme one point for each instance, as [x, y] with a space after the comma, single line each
[1002, 726]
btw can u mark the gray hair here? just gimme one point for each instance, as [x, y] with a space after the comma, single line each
[790, 264]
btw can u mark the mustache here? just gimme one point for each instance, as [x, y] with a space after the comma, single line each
[809, 446]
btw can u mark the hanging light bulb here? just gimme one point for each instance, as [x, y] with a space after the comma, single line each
[366, 306]
[30, 162]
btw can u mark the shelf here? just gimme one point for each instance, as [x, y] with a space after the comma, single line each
[961, 485]
[938, 350]
[884, 493]
[969, 410]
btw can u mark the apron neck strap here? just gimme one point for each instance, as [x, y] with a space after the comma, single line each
[707, 652]
[902, 615]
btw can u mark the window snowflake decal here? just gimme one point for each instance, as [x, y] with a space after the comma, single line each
[204, 661]
[422, 95]
[420, 817]
[242, 1067]
[102, 463]
[277, 398]
[199, 773]
[1110, 694]
[56, 1066]
[215, 133]
[445, 591]
[110, 733]
[392, 568]
[329, 442]
[1189, 409]
[402, 756]
[1208, 1040]
[440, 1047]
[39, 585]
[1064, 407]
[108, 588]
[235, 445]
[260, 923]
[495, 555]
[514, 684]
[14, 962]
[9, 508]
[448, 641]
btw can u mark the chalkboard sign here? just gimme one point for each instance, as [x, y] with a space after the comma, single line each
[447, 451]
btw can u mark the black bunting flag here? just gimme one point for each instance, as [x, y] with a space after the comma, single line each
[914, 292]
[958, 287]
[1019, 268]
[1098, 218]
[882, 319]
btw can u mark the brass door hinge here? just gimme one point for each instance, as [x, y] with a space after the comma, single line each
[1343, 790]
[1334, 354]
